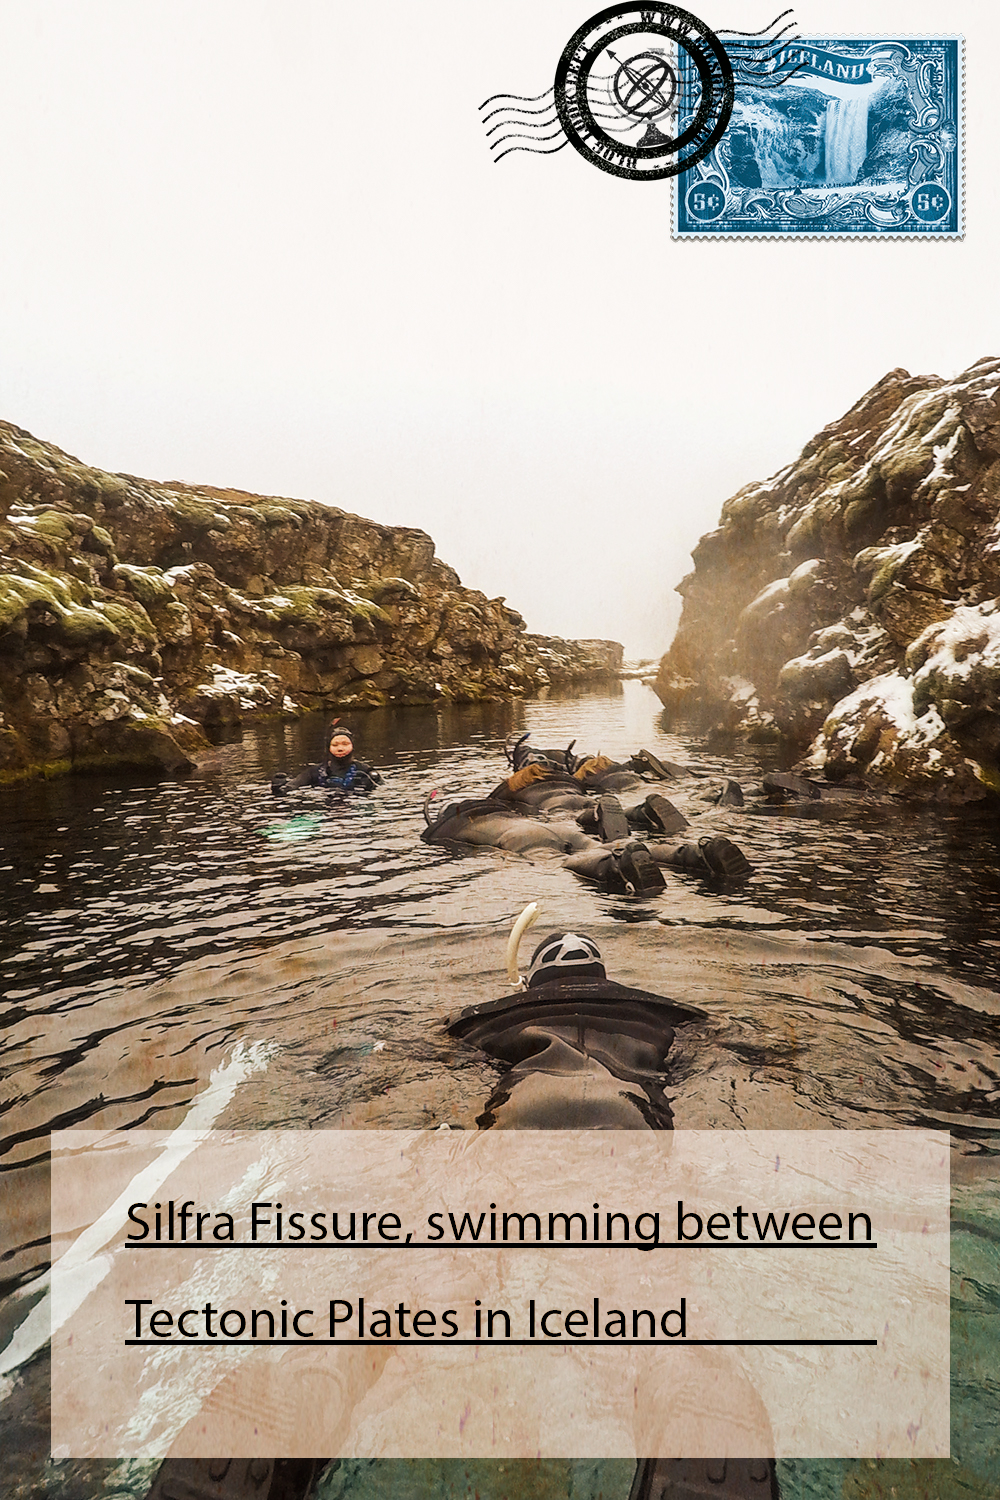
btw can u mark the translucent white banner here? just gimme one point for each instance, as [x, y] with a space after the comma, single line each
[501, 1294]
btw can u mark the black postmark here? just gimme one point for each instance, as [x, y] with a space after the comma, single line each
[644, 91]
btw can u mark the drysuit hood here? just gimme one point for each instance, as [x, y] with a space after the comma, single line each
[335, 729]
[597, 997]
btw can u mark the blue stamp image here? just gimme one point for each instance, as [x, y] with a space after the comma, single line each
[863, 137]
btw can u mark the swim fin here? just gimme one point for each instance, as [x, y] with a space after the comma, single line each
[701, 1478]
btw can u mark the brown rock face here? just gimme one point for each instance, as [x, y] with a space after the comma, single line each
[849, 604]
[134, 613]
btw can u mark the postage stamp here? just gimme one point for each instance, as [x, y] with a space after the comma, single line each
[862, 138]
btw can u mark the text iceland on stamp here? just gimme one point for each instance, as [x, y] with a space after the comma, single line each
[864, 139]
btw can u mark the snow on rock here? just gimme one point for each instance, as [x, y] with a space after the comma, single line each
[877, 731]
[857, 590]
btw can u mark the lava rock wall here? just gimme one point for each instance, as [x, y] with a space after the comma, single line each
[849, 604]
[134, 615]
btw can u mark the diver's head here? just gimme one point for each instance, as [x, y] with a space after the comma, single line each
[340, 741]
[565, 956]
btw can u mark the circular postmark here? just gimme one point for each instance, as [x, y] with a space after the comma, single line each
[644, 91]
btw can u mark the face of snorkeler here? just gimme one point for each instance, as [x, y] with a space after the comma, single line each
[341, 746]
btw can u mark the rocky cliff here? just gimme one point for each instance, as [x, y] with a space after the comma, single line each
[134, 615]
[849, 604]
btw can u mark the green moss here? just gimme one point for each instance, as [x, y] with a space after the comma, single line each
[81, 626]
[989, 776]
[101, 540]
[888, 563]
[365, 609]
[377, 589]
[18, 594]
[201, 515]
[80, 623]
[110, 486]
[302, 605]
[95, 484]
[36, 770]
[57, 525]
[471, 690]
[148, 585]
[808, 531]
[128, 619]
[277, 515]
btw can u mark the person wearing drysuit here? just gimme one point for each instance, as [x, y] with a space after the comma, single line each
[580, 1051]
[338, 771]
[583, 1052]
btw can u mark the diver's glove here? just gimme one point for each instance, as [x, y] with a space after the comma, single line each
[280, 784]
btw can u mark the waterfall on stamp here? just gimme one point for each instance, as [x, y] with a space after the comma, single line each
[846, 137]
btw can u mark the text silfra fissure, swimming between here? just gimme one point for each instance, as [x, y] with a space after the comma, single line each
[267, 1223]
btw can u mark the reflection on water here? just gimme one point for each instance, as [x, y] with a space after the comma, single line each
[149, 929]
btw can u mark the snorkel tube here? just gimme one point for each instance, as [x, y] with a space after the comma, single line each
[524, 921]
[513, 745]
[427, 807]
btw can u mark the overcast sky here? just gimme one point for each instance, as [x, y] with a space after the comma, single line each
[264, 245]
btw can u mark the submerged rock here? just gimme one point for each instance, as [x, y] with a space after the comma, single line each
[134, 615]
[848, 606]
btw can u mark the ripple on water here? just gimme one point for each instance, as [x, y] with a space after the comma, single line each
[149, 930]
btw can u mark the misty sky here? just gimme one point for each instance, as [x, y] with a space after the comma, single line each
[264, 245]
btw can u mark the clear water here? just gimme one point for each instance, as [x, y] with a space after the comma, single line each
[151, 929]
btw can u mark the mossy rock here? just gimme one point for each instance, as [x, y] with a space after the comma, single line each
[35, 770]
[744, 507]
[18, 594]
[379, 589]
[109, 490]
[365, 609]
[277, 515]
[57, 525]
[989, 775]
[301, 605]
[809, 530]
[99, 540]
[883, 579]
[128, 619]
[136, 675]
[82, 626]
[882, 564]
[200, 515]
[111, 487]
[98, 484]
[174, 621]
[148, 585]
[79, 623]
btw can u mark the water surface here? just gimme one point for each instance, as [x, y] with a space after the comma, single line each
[153, 931]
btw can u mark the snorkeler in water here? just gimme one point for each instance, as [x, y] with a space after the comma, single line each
[582, 1052]
[579, 1052]
[339, 771]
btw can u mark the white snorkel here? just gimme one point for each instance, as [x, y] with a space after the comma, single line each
[524, 921]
